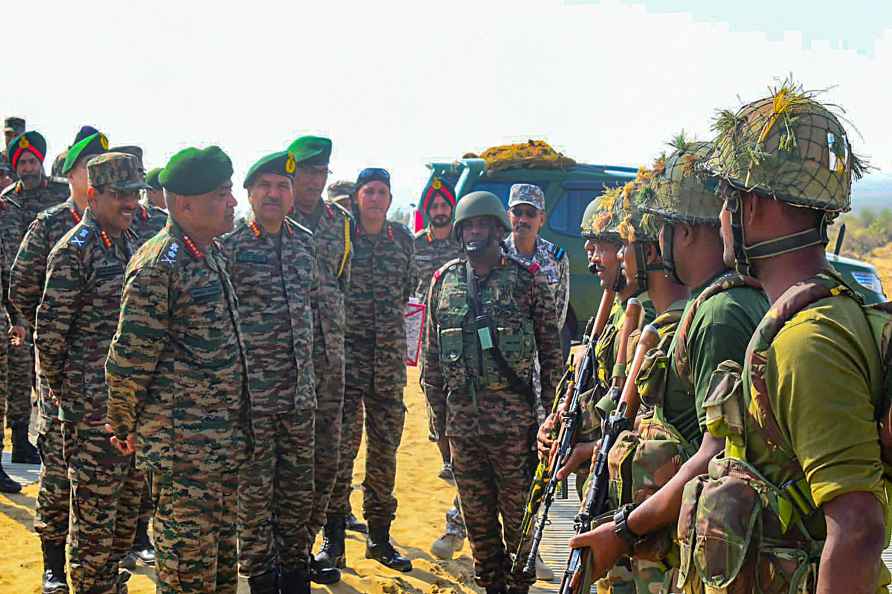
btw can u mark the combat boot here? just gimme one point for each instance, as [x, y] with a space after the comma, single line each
[54, 581]
[352, 524]
[495, 590]
[321, 574]
[121, 583]
[294, 582]
[7, 485]
[265, 583]
[519, 590]
[143, 549]
[332, 554]
[22, 450]
[378, 547]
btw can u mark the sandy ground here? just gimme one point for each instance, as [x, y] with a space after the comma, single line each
[423, 501]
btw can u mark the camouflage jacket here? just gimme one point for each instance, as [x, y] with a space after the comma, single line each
[477, 399]
[555, 266]
[176, 369]
[29, 269]
[430, 255]
[75, 321]
[147, 222]
[275, 278]
[332, 228]
[383, 277]
[18, 207]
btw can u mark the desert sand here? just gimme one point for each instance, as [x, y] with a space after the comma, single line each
[423, 501]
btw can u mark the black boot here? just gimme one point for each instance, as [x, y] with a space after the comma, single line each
[22, 450]
[354, 525]
[121, 584]
[266, 583]
[54, 568]
[495, 590]
[332, 554]
[7, 485]
[378, 547]
[519, 590]
[322, 574]
[142, 545]
[294, 582]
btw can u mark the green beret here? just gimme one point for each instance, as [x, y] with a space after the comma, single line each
[32, 142]
[311, 150]
[152, 178]
[194, 171]
[94, 144]
[280, 163]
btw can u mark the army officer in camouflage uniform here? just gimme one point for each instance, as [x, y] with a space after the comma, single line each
[177, 377]
[478, 371]
[383, 277]
[272, 261]
[332, 229]
[85, 276]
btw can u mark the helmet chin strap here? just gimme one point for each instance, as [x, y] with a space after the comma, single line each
[642, 267]
[668, 253]
[745, 254]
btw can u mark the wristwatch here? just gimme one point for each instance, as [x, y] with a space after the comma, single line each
[621, 525]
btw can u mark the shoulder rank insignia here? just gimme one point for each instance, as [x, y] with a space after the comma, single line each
[170, 257]
[80, 238]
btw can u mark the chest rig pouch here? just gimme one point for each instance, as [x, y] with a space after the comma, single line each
[486, 342]
[737, 530]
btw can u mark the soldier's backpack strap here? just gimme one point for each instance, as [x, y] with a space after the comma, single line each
[725, 283]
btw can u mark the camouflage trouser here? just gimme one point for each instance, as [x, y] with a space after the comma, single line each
[145, 504]
[493, 474]
[20, 366]
[4, 364]
[385, 415]
[329, 411]
[53, 495]
[105, 494]
[653, 578]
[195, 531]
[275, 494]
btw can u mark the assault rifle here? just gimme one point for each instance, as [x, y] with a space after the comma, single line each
[575, 385]
[596, 498]
[569, 425]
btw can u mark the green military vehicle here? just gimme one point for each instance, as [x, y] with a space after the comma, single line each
[569, 187]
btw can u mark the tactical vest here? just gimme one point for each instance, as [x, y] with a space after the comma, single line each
[643, 460]
[467, 367]
[738, 531]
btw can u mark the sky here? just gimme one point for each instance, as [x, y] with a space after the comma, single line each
[399, 84]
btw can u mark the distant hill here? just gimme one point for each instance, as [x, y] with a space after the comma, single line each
[873, 192]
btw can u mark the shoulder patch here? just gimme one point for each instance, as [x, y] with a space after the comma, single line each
[80, 238]
[557, 251]
[169, 257]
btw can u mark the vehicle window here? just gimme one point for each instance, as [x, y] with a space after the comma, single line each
[566, 215]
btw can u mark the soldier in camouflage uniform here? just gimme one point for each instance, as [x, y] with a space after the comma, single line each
[434, 247]
[341, 193]
[6, 175]
[383, 277]
[481, 358]
[177, 377]
[85, 275]
[154, 196]
[715, 325]
[27, 279]
[799, 499]
[272, 261]
[7, 485]
[12, 127]
[332, 234]
[19, 204]
[149, 218]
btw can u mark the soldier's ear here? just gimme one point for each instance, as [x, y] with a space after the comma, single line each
[91, 192]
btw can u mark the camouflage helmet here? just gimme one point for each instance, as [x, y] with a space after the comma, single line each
[787, 146]
[479, 204]
[681, 189]
[597, 220]
[636, 225]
